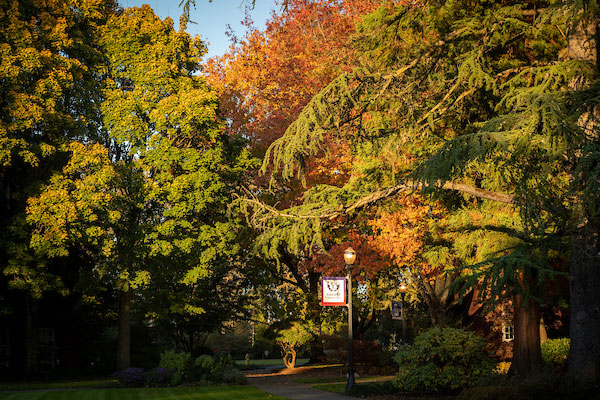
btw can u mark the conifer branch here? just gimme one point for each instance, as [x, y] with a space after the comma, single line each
[411, 185]
[268, 212]
[438, 105]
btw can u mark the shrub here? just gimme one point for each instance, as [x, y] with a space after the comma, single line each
[502, 367]
[130, 377]
[204, 363]
[159, 377]
[181, 362]
[176, 379]
[442, 360]
[369, 353]
[556, 351]
[234, 376]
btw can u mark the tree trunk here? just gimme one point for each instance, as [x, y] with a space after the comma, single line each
[543, 333]
[584, 304]
[317, 354]
[527, 355]
[289, 359]
[584, 263]
[30, 335]
[124, 346]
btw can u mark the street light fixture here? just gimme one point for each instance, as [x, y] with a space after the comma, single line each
[403, 288]
[349, 258]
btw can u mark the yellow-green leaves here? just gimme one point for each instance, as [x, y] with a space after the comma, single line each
[47, 55]
[149, 198]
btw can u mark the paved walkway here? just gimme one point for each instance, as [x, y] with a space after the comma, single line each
[283, 385]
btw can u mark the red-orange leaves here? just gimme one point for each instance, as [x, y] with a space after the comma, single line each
[402, 235]
[268, 77]
[369, 260]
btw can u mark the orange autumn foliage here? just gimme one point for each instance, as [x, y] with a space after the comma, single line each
[402, 235]
[369, 261]
[267, 78]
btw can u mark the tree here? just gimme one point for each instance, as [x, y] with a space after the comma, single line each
[414, 238]
[290, 339]
[269, 76]
[264, 81]
[49, 95]
[481, 105]
[154, 194]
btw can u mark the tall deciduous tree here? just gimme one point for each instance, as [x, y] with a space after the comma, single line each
[265, 80]
[49, 94]
[154, 194]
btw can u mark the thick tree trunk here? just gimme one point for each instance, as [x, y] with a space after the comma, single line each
[584, 262]
[527, 355]
[30, 335]
[584, 304]
[124, 346]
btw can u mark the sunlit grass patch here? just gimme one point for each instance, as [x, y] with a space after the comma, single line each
[269, 362]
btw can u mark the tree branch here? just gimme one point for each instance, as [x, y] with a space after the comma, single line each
[411, 185]
[408, 185]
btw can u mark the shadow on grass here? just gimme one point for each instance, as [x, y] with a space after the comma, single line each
[181, 393]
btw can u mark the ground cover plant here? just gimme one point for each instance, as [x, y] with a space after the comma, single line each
[184, 393]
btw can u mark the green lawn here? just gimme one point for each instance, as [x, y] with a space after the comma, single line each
[365, 388]
[184, 393]
[328, 387]
[270, 361]
[95, 383]
[321, 380]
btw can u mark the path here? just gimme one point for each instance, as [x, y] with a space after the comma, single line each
[283, 385]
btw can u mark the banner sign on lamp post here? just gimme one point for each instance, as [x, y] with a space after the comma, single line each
[333, 291]
[396, 310]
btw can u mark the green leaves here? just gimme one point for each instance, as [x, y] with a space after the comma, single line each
[441, 360]
[152, 196]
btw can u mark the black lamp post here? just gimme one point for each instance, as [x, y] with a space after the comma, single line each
[403, 288]
[349, 258]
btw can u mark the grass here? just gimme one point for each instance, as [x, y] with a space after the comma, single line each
[183, 393]
[269, 362]
[361, 389]
[90, 383]
[329, 387]
[340, 379]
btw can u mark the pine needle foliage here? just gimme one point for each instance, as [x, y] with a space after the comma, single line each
[466, 91]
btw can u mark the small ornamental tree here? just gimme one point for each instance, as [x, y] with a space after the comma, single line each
[291, 339]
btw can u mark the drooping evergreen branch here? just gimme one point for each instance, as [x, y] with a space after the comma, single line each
[262, 213]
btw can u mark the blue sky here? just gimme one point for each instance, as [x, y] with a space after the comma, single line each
[211, 18]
